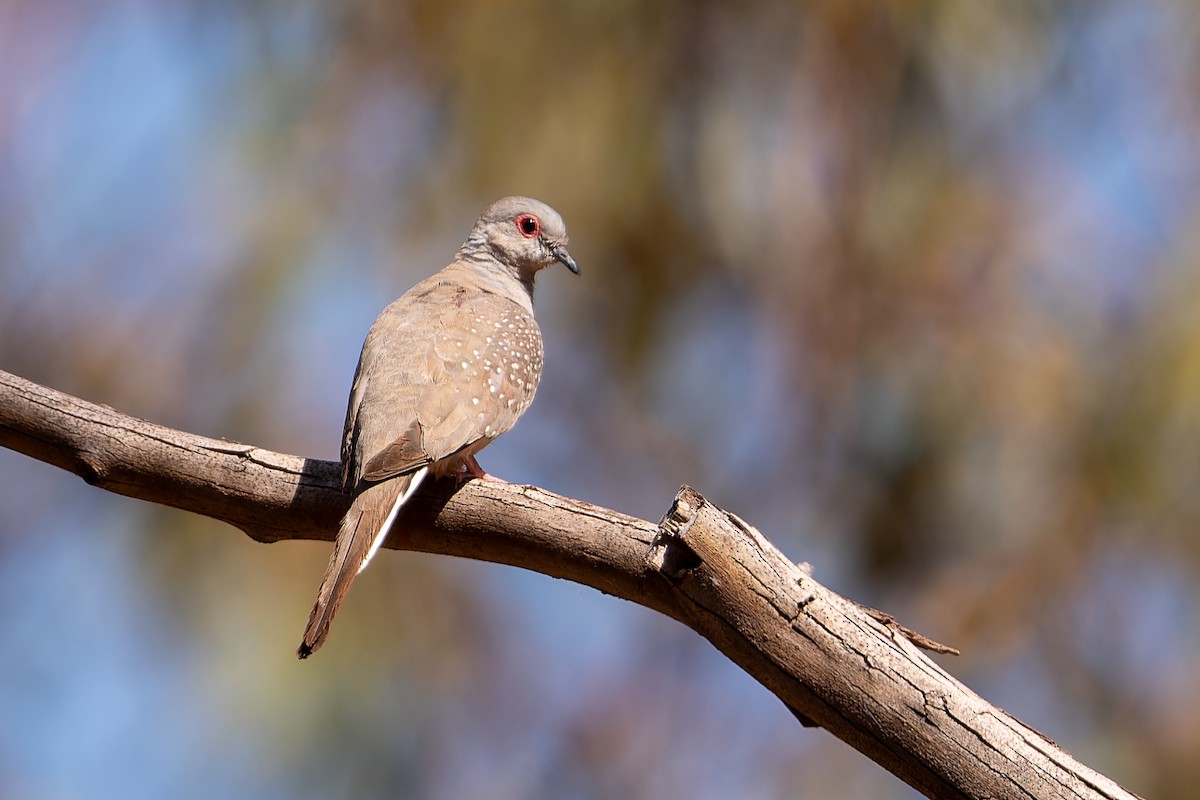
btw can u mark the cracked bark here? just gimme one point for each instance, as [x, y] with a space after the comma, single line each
[849, 669]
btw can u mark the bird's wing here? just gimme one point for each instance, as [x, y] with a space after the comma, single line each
[444, 369]
[484, 367]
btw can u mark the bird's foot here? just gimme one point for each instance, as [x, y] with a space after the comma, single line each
[471, 469]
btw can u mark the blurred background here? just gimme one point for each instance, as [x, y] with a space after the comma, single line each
[912, 287]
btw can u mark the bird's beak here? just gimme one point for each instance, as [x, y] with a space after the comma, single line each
[560, 254]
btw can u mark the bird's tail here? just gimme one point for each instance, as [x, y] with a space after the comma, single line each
[362, 531]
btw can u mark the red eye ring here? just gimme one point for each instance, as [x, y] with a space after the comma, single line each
[529, 225]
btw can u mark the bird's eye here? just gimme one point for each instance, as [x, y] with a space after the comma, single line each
[529, 225]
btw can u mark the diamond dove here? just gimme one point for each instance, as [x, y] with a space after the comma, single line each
[445, 369]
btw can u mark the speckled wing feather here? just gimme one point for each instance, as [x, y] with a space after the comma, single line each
[484, 365]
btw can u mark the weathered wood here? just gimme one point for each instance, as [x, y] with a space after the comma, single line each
[833, 661]
[827, 658]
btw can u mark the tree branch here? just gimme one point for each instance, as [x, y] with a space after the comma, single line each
[851, 670]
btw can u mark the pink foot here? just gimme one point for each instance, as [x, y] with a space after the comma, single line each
[471, 469]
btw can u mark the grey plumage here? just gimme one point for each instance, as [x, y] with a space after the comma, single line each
[445, 369]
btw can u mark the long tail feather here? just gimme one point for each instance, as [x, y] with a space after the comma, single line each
[362, 531]
[414, 483]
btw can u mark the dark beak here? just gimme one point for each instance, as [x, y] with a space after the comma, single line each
[560, 253]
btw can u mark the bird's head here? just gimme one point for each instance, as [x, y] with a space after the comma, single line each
[523, 235]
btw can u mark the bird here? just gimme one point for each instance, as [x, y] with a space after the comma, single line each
[445, 369]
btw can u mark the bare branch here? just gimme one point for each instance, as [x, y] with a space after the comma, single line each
[851, 670]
